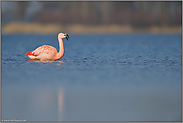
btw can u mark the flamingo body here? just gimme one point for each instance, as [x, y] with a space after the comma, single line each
[44, 52]
[47, 52]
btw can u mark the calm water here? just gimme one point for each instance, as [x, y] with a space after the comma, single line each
[103, 78]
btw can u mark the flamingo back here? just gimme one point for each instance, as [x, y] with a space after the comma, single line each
[44, 52]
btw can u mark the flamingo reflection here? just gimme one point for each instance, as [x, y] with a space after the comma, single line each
[60, 103]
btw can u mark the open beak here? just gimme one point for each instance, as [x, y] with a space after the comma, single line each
[67, 37]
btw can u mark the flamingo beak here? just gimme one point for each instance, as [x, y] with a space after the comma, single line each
[67, 37]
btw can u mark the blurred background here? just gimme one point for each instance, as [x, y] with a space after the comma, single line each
[122, 72]
[91, 17]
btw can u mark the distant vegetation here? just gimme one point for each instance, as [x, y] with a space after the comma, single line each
[133, 14]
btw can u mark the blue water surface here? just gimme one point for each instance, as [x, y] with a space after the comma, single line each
[124, 77]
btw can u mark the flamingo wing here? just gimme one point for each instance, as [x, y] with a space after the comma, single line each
[30, 53]
[40, 50]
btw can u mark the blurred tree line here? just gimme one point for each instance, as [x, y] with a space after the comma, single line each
[134, 13]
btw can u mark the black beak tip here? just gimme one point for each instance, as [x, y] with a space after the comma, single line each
[67, 37]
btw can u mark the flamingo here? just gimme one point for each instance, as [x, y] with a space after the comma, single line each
[47, 52]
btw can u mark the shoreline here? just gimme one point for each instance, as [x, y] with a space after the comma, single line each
[37, 28]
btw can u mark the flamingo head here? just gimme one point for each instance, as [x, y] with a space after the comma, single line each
[62, 35]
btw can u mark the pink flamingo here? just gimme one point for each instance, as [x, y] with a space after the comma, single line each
[49, 53]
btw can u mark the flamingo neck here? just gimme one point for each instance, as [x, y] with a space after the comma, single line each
[61, 49]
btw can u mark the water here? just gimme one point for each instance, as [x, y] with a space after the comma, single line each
[134, 77]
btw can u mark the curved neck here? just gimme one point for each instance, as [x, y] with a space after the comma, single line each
[61, 49]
